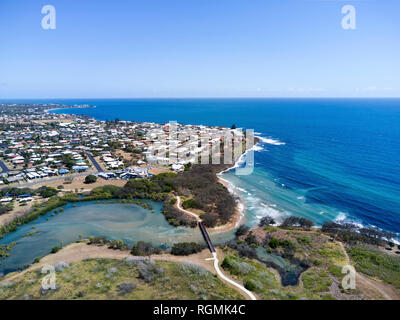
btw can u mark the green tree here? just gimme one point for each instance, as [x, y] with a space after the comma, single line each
[90, 178]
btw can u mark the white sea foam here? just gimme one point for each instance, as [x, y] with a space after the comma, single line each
[257, 148]
[261, 209]
[272, 141]
[343, 218]
[340, 217]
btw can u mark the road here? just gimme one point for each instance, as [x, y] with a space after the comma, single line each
[214, 253]
[3, 167]
[95, 163]
[28, 184]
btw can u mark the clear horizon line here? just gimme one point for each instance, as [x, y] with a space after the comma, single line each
[211, 97]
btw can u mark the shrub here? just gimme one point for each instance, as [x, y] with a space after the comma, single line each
[125, 287]
[177, 218]
[5, 208]
[236, 267]
[190, 203]
[353, 234]
[186, 248]
[251, 239]
[99, 240]
[194, 270]
[47, 192]
[90, 179]
[210, 220]
[149, 271]
[242, 230]
[250, 285]
[117, 245]
[142, 248]
[273, 243]
[266, 221]
[55, 249]
[297, 222]
[304, 240]
[245, 251]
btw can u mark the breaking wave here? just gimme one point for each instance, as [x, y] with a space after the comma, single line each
[274, 142]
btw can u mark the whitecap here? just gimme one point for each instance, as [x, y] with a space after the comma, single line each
[272, 141]
[257, 148]
[340, 217]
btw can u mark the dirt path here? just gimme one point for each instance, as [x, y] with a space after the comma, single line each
[178, 204]
[367, 284]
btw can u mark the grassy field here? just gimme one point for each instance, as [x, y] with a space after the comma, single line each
[376, 264]
[123, 279]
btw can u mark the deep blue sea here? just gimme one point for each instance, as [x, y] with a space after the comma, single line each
[324, 159]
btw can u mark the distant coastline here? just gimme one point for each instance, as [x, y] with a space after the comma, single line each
[69, 107]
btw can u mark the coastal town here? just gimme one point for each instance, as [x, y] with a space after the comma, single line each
[37, 146]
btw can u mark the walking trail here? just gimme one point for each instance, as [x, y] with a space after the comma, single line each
[215, 258]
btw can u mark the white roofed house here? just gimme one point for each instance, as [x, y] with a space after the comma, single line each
[178, 167]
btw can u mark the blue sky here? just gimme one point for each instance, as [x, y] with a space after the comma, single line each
[199, 48]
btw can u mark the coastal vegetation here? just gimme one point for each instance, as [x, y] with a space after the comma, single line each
[354, 234]
[5, 249]
[376, 264]
[112, 244]
[186, 248]
[91, 178]
[176, 217]
[142, 248]
[132, 278]
[4, 208]
[46, 192]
